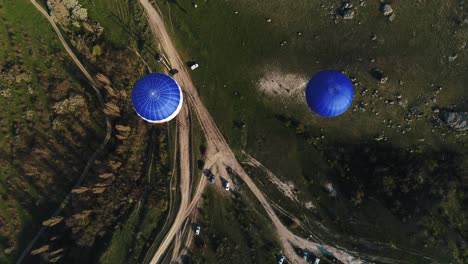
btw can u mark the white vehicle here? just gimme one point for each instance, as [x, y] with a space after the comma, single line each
[227, 186]
[197, 230]
[317, 260]
[194, 66]
[281, 260]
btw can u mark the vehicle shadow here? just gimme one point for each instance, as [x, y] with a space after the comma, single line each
[224, 181]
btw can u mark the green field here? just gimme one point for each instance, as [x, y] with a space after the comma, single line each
[235, 46]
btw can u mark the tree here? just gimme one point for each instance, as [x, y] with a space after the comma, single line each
[40, 250]
[97, 50]
[52, 221]
[357, 198]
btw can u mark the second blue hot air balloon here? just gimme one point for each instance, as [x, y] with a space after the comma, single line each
[329, 93]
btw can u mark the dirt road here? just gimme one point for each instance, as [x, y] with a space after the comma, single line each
[91, 160]
[184, 156]
[216, 141]
[186, 232]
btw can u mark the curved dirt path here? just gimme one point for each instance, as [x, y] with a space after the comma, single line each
[95, 154]
[216, 141]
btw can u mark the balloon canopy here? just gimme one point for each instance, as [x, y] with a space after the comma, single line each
[329, 93]
[157, 98]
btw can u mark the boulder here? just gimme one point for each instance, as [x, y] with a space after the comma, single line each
[346, 11]
[455, 120]
[386, 9]
[379, 75]
[348, 14]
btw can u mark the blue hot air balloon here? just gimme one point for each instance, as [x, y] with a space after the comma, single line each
[329, 93]
[157, 98]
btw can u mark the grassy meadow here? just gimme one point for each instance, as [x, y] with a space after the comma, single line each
[235, 46]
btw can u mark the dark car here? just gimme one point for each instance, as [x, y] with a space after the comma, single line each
[207, 172]
[173, 71]
[212, 179]
[158, 57]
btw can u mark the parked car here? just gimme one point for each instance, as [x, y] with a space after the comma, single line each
[226, 187]
[317, 260]
[158, 57]
[194, 66]
[281, 259]
[173, 71]
[207, 172]
[197, 230]
[305, 255]
[212, 179]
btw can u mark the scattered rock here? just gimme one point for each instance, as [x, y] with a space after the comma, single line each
[379, 75]
[268, 20]
[379, 137]
[386, 9]
[456, 121]
[401, 102]
[373, 37]
[348, 14]
[391, 17]
[330, 189]
[346, 11]
[309, 205]
[452, 57]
